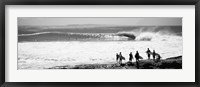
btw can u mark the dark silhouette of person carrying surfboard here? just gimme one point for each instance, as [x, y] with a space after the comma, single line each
[148, 53]
[130, 57]
[137, 56]
[154, 55]
[121, 58]
[117, 57]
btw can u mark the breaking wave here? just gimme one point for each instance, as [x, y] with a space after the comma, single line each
[140, 34]
[151, 34]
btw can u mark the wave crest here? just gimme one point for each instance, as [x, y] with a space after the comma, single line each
[147, 36]
[151, 36]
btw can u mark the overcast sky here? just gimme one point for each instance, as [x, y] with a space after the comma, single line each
[46, 21]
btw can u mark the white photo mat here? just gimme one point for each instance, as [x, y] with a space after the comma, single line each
[186, 74]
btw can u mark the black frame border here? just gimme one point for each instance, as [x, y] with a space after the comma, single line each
[99, 2]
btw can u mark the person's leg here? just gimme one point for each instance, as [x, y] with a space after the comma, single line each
[137, 64]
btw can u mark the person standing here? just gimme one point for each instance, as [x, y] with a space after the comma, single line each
[120, 58]
[154, 54]
[130, 57]
[117, 57]
[148, 53]
[137, 56]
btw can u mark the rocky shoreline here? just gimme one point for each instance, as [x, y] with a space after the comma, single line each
[168, 63]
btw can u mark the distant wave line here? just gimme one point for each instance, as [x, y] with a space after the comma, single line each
[39, 33]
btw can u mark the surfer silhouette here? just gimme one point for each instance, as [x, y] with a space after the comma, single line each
[117, 57]
[120, 54]
[148, 53]
[121, 58]
[130, 57]
[137, 56]
[154, 54]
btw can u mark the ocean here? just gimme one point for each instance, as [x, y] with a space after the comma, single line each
[42, 47]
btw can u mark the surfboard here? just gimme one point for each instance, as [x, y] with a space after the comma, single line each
[151, 53]
[156, 54]
[140, 57]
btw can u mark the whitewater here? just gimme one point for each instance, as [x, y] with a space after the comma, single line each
[43, 55]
